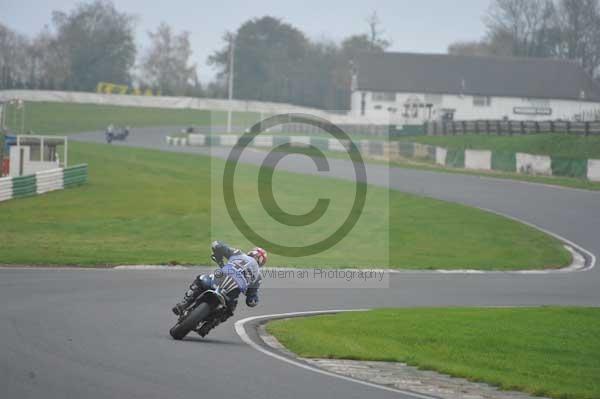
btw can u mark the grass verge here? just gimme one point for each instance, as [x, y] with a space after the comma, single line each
[67, 118]
[568, 182]
[148, 207]
[557, 145]
[430, 166]
[550, 351]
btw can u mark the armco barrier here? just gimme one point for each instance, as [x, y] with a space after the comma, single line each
[456, 158]
[42, 182]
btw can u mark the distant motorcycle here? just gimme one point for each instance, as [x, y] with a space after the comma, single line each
[205, 312]
[119, 135]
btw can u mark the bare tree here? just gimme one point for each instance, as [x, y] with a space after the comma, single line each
[166, 64]
[580, 32]
[14, 71]
[376, 38]
[528, 24]
[48, 61]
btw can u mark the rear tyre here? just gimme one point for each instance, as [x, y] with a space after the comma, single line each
[180, 330]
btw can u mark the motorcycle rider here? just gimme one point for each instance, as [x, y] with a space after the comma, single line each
[241, 274]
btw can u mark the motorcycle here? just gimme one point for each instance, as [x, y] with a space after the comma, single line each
[207, 310]
[121, 135]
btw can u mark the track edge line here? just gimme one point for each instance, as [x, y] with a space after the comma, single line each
[240, 329]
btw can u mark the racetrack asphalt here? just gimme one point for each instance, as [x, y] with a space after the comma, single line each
[103, 333]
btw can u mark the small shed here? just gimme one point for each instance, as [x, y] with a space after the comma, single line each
[28, 154]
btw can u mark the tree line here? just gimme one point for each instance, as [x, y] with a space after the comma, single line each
[94, 42]
[564, 29]
[274, 61]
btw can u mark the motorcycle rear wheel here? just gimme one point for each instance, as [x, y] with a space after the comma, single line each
[181, 329]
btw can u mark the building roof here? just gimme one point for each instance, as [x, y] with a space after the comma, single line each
[32, 140]
[474, 75]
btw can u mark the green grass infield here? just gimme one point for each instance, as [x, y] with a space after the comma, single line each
[549, 351]
[152, 207]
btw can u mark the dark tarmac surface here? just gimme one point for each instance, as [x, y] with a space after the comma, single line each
[103, 333]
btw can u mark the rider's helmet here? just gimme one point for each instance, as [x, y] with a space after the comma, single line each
[259, 254]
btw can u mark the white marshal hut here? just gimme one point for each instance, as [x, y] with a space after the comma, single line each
[28, 154]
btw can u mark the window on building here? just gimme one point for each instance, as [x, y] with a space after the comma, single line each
[482, 101]
[384, 96]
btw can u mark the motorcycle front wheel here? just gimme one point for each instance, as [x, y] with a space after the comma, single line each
[181, 329]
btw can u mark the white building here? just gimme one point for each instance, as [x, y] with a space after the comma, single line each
[409, 89]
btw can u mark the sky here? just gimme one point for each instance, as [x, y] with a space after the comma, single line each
[417, 26]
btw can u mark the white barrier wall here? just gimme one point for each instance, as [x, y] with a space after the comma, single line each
[263, 141]
[228, 139]
[440, 155]
[335, 145]
[534, 164]
[49, 180]
[196, 139]
[300, 141]
[151, 101]
[363, 146]
[420, 150]
[187, 103]
[6, 191]
[473, 159]
[180, 141]
[476, 159]
[593, 171]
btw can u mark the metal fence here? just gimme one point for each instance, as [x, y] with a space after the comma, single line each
[503, 127]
